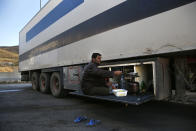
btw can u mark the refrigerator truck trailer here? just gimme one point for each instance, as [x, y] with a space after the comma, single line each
[153, 42]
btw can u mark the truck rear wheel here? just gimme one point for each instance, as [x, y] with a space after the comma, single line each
[56, 86]
[44, 81]
[35, 81]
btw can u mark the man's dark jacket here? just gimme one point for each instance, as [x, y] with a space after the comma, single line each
[94, 76]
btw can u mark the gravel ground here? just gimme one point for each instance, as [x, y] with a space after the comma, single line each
[23, 109]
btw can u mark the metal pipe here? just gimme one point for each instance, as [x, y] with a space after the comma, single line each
[40, 4]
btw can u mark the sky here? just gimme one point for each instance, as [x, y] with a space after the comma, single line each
[14, 15]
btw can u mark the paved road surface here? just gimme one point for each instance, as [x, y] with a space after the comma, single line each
[23, 109]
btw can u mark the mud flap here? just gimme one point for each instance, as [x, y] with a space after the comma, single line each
[163, 83]
[72, 76]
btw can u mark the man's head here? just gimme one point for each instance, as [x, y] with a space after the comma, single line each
[96, 58]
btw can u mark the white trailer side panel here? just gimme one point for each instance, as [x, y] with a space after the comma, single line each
[166, 32]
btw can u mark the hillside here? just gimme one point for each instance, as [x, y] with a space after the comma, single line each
[13, 49]
[8, 59]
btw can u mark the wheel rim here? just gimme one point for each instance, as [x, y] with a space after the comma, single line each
[43, 83]
[56, 84]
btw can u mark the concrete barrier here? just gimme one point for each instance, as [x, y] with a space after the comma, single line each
[10, 76]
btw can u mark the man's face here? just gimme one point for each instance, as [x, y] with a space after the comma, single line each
[97, 59]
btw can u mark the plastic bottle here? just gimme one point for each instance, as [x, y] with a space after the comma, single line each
[142, 87]
[122, 82]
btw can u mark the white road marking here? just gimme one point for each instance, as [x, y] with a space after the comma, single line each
[3, 91]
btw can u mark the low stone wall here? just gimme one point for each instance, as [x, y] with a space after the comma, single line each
[10, 77]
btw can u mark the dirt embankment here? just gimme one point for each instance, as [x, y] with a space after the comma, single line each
[9, 59]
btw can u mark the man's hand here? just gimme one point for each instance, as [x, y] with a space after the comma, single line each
[113, 87]
[109, 84]
[117, 73]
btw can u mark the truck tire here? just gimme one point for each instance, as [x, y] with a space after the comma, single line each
[44, 81]
[56, 86]
[35, 81]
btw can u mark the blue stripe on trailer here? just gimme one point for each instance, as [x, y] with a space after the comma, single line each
[62, 9]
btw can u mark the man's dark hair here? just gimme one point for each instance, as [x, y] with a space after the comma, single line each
[94, 55]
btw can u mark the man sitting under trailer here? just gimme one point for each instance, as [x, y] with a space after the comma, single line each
[93, 81]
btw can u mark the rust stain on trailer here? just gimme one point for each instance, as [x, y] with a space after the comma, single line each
[170, 45]
[150, 51]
